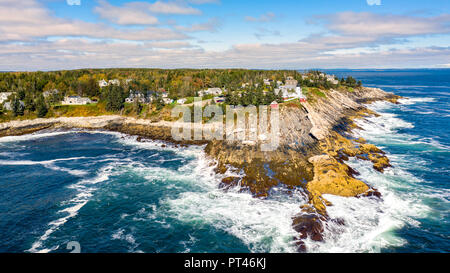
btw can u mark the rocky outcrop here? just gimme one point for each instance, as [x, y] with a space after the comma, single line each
[314, 145]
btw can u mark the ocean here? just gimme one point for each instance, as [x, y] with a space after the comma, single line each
[111, 193]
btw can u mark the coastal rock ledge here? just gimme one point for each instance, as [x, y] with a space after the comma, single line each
[315, 143]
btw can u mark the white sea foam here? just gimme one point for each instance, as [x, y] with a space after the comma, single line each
[48, 164]
[33, 136]
[46, 134]
[262, 225]
[129, 238]
[71, 207]
[385, 129]
[410, 101]
[371, 223]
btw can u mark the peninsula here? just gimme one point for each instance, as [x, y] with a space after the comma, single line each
[316, 112]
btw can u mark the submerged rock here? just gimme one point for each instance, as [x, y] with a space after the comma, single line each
[308, 226]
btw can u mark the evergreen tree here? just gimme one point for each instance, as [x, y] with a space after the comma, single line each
[159, 103]
[17, 107]
[137, 106]
[114, 98]
[41, 107]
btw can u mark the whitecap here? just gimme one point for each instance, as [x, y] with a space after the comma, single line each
[71, 208]
[50, 164]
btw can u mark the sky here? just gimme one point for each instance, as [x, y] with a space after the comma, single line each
[255, 34]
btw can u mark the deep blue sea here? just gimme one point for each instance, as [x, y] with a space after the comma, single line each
[111, 193]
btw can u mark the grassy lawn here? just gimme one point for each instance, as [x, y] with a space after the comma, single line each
[78, 110]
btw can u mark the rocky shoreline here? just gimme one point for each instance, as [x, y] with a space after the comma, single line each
[315, 142]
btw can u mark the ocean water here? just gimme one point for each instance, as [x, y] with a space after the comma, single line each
[111, 193]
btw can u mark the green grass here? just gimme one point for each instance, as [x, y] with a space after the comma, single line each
[312, 93]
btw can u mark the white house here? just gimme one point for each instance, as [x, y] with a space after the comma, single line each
[268, 81]
[102, 83]
[76, 100]
[167, 100]
[49, 93]
[332, 79]
[4, 96]
[7, 106]
[136, 95]
[114, 82]
[291, 83]
[210, 91]
[291, 94]
[181, 101]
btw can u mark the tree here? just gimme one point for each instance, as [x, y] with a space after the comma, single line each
[91, 88]
[159, 103]
[41, 107]
[17, 107]
[114, 98]
[29, 102]
[137, 106]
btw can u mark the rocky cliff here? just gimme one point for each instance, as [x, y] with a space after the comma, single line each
[315, 142]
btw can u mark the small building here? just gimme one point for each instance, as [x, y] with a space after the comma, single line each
[291, 83]
[210, 91]
[332, 79]
[49, 93]
[102, 83]
[268, 81]
[181, 101]
[114, 82]
[7, 106]
[76, 100]
[274, 105]
[4, 96]
[167, 100]
[290, 94]
[219, 99]
[136, 96]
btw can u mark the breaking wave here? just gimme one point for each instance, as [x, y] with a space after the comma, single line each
[371, 224]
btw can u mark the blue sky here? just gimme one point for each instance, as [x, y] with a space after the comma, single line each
[293, 34]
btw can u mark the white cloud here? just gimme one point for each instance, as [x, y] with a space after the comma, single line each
[385, 25]
[79, 53]
[126, 15]
[28, 20]
[267, 17]
[169, 45]
[211, 25]
[374, 2]
[169, 8]
[101, 45]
